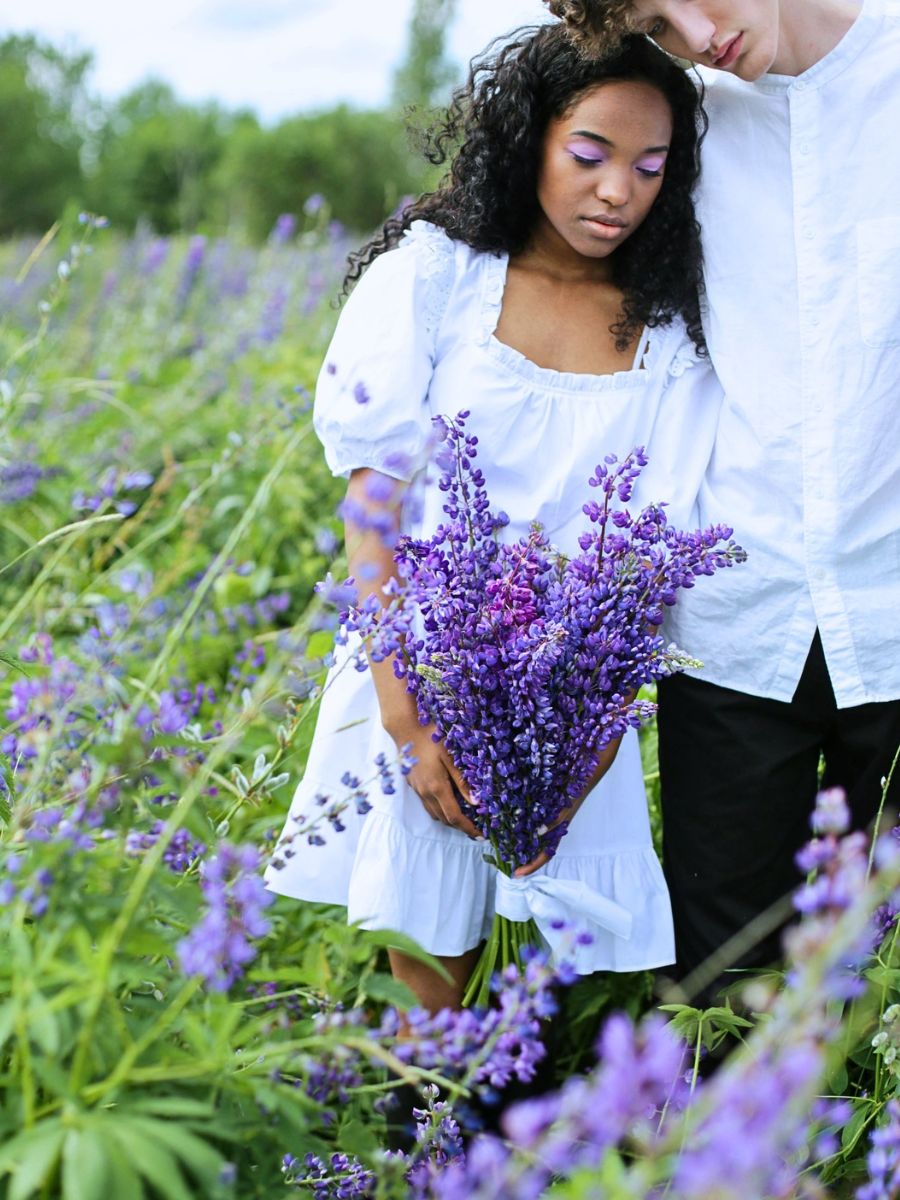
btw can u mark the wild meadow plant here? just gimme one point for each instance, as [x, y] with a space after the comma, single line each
[166, 1030]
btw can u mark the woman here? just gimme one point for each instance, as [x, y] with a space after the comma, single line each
[549, 286]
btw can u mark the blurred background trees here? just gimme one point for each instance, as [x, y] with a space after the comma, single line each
[149, 157]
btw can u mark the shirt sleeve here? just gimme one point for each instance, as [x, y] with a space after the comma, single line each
[371, 397]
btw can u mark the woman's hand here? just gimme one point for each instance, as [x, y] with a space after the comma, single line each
[434, 777]
[374, 508]
[607, 757]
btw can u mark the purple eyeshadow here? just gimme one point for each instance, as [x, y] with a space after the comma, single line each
[655, 163]
[586, 150]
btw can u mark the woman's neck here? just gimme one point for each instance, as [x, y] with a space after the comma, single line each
[550, 254]
[810, 29]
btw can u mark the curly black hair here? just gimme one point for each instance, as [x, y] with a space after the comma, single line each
[493, 134]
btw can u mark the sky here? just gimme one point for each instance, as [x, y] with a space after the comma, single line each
[275, 56]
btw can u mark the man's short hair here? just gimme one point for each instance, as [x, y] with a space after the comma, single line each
[594, 25]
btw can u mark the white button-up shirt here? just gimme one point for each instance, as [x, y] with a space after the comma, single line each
[800, 208]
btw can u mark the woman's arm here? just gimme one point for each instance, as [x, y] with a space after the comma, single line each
[374, 500]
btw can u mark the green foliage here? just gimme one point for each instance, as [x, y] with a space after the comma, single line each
[156, 158]
[358, 161]
[43, 106]
[424, 77]
[118, 1076]
[151, 158]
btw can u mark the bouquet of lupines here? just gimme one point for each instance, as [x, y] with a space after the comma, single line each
[529, 664]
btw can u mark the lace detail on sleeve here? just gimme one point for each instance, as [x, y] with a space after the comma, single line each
[436, 256]
[670, 350]
[685, 356]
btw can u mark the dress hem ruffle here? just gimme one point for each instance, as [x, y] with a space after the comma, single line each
[377, 894]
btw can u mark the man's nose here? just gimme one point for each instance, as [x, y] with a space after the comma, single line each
[697, 31]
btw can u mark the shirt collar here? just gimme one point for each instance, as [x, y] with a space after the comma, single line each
[860, 34]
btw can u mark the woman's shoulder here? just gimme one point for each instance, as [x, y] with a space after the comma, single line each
[436, 253]
[441, 272]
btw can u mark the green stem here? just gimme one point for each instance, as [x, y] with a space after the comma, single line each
[134, 1051]
[175, 636]
[877, 826]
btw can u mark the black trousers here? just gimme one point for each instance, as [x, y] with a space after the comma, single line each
[739, 775]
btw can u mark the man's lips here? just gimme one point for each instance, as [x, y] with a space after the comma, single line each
[729, 52]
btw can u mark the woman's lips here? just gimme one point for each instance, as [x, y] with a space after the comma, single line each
[729, 53]
[605, 226]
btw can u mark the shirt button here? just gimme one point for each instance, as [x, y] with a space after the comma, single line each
[809, 233]
[800, 85]
[819, 573]
[819, 493]
[818, 405]
[814, 320]
[804, 147]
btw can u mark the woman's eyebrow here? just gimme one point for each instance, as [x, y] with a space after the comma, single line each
[598, 137]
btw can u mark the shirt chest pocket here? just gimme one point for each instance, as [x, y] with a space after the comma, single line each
[878, 280]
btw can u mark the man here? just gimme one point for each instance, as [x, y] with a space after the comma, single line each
[800, 209]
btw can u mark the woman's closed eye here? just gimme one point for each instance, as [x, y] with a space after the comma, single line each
[587, 153]
[652, 166]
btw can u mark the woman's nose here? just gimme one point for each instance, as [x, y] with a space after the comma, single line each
[614, 185]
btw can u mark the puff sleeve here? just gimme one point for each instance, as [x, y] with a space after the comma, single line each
[371, 397]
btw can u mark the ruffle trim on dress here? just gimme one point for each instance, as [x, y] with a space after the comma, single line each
[670, 348]
[457, 912]
[686, 356]
[437, 256]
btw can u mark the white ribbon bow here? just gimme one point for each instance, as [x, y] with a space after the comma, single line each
[553, 902]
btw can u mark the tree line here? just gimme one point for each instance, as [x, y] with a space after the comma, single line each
[151, 157]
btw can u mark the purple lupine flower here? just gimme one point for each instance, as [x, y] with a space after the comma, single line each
[193, 261]
[272, 322]
[221, 946]
[524, 659]
[171, 717]
[883, 1159]
[640, 1074]
[19, 481]
[749, 1139]
[340, 595]
[837, 869]
[484, 1048]
[156, 255]
[180, 854]
[283, 230]
[342, 1178]
[326, 542]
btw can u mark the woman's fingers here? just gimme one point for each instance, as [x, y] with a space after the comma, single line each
[458, 782]
[541, 860]
[432, 807]
[441, 788]
[530, 868]
[440, 801]
[453, 815]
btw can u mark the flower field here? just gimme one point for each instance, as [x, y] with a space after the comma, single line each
[168, 1029]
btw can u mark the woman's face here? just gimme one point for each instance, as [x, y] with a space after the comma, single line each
[740, 36]
[602, 166]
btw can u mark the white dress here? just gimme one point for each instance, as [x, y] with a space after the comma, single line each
[416, 339]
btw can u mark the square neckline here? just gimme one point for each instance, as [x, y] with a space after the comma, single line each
[496, 272]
